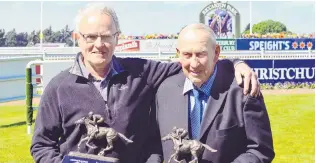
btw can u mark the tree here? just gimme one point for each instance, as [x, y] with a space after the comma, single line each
[66, 36]
[33, 38]
[55, 37]
[21, 39]
[47, 35]
[269, 26]
[10, 38]
[247, 29]
[2, 37]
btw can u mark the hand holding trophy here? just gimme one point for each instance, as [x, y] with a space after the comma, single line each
[184, 146]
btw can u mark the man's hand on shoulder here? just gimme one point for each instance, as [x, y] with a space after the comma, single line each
[244, 74]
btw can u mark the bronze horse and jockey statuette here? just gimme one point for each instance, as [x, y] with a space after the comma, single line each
[95, 130]
[184, 146]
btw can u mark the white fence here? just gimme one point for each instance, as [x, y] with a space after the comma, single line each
[14, 60]
[57, 53]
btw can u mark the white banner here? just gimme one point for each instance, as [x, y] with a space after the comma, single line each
[165, 45]
[153, 45]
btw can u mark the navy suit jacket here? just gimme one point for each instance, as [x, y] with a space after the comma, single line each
[237, 126]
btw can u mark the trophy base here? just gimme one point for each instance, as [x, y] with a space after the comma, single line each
[76, 157]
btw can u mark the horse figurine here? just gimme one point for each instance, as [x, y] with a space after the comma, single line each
[104, 133]
[193, 147]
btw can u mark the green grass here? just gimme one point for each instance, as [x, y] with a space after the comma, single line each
[292, 121]
[14, 142]
[293, 127]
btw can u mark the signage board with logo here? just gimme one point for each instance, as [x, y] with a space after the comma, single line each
[275, 44]
[164, 45]
[223, 18]
[154, 45]
[274, 71]
[128, 46]
[226, 44]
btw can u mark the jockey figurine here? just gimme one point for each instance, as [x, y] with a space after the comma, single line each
[95, 120]
[180, 133]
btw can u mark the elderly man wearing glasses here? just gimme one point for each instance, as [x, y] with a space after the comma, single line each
[119, 89]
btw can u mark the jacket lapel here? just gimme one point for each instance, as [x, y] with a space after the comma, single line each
[182, 102]
[214, 103]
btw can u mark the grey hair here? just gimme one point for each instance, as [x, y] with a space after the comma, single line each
[97, 7]
[201, 27]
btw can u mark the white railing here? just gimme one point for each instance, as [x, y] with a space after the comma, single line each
[56, 53]
[161, 55]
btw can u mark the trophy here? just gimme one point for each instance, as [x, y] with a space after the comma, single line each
[95, 132]
[183, 146]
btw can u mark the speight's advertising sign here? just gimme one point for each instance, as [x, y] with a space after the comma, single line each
[275, 44]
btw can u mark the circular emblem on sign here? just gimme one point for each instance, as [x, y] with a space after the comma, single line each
[294, 45]
[302, 45]
[309, 45]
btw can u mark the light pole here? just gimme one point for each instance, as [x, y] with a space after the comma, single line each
[250, 16]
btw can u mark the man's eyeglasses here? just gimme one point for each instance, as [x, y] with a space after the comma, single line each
[91, 38]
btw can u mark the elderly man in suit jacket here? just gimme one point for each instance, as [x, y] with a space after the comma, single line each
[206, 100]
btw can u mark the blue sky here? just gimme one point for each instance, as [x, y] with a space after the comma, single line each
[138, 18]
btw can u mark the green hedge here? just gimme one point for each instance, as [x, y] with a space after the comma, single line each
[287, 85]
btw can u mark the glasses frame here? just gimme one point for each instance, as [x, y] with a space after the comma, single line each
[85, 36]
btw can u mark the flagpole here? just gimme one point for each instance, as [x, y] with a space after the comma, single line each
[250, 16]
[41, 33]
[73, 41]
